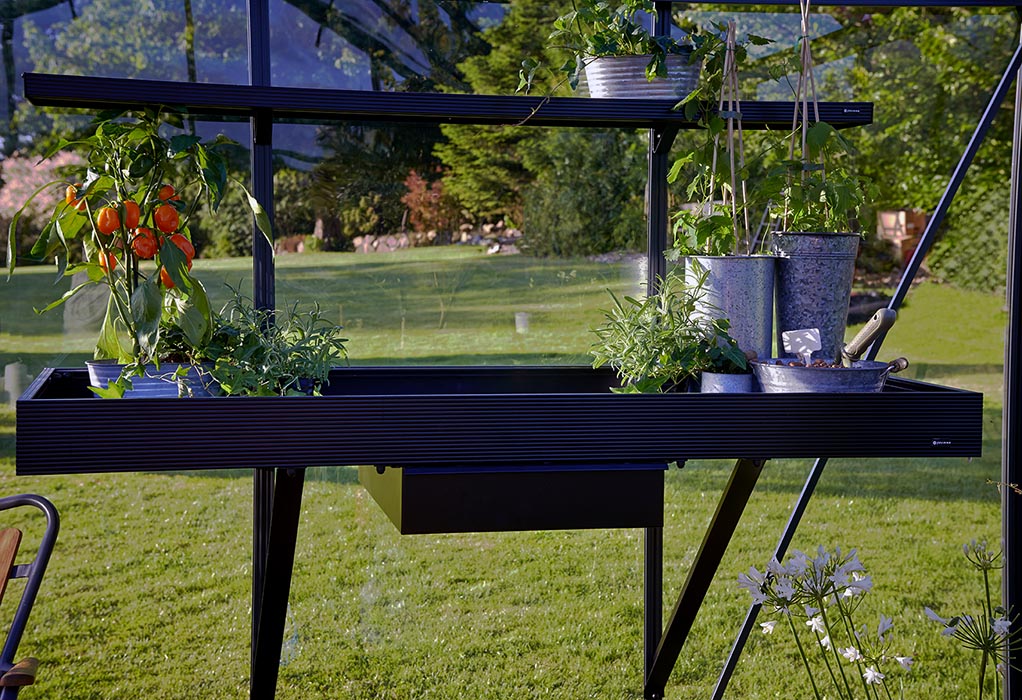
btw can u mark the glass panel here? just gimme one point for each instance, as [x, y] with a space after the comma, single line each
[387, 252]
[180, 40]
[388, 45]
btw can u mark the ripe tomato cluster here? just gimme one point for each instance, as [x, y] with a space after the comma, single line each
[127, 217]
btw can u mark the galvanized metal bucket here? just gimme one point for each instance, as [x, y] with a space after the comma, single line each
[157, 383]
[624, 77]
[739, 288]
[814, 285]
[862, 376]
[719, 383]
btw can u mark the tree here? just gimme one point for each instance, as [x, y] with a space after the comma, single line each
[485, 170]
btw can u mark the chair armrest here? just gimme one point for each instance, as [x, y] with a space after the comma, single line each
[21, 673]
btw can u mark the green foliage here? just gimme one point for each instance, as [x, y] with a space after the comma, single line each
[716, 222]
[587, 196]
[362, 177]
[483, 164]
[595, 28]
[262, 353]
[660, 342]
[819, 189]
[229, 234]
[972, 250]
[364, 219]
[293, 212]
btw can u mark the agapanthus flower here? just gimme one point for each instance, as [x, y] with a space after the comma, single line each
[816, 624]
[851, 653]
[905, 662]
[768, 627]
[873, 676]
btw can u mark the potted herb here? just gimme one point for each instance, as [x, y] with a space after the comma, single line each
[256, 352]
[713, 235]
[123, 223]
[816, 198]
[663, 342]
[619, 57]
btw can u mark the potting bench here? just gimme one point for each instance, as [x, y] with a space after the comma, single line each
[560, 435]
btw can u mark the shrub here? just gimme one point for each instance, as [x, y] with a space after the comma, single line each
[430, 208]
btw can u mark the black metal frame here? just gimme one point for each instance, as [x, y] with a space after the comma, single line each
[278, 489]
[33, 572]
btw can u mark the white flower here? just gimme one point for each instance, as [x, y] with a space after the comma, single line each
[886, 623]
[768, 627]
[798, 562]
[753, 583]
[1001, 626]
[825, 642]
[784, 588]
[873, 676]
[860, 583]
[905, 662]
[816, 624]
[851, 653]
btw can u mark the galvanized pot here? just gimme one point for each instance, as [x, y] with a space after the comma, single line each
[862, 376]
[720, 383]
[624, 77]
[814, 285]
[739, 288]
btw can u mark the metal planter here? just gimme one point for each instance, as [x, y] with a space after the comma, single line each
[814, 285]
[624, 77]
[741, 289]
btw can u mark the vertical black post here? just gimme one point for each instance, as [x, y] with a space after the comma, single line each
[262, 278]
[656, 268]
[1011, 473]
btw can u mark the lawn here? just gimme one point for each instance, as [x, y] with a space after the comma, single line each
[148, 591]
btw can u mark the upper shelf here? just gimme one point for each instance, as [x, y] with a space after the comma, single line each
[312, 104]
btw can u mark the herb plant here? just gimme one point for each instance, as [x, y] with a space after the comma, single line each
[257, 352]
[658, 343]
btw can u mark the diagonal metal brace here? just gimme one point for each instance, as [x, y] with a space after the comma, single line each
[722, 527]
[276, 585]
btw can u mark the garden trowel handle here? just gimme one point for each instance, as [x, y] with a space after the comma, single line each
[880, 323]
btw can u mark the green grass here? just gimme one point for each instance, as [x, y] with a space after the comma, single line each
[149, 589]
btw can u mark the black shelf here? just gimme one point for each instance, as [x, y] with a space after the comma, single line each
[497, 416]
[321, 105]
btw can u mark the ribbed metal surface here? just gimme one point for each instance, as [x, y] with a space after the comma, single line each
[624, 77]
[400, 425]
[205, 99]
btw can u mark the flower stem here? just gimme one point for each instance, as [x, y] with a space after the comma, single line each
[833, 646]
[805, 659]
[982, 673]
